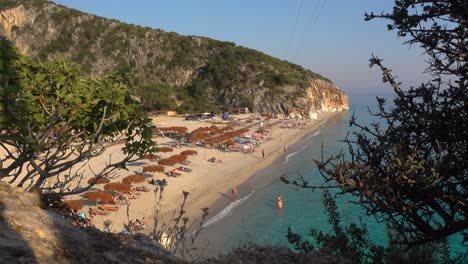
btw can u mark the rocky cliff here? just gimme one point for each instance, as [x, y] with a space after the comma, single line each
[186, 73]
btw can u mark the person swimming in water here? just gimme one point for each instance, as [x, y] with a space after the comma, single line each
[279, 202]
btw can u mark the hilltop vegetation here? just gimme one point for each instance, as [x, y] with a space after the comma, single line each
[171, 71]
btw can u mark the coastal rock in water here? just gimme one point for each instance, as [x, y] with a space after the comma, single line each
[189, 73]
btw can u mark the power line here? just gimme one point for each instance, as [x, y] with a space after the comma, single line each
[315, 16]
[290, 41]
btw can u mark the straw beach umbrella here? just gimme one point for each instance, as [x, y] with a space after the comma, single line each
[117, 187]
[98, 196]
[99, 181]
[153, 168]
[133, 179]
[74, 204]
[150, 157]
[165, 149]
[173, 160]
[189, 152]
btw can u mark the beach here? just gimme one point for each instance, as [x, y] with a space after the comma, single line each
[207, 184]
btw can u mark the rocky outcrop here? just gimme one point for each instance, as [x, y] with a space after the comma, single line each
[29, 234]
[11, 20]
[197, 72]
[320, 96]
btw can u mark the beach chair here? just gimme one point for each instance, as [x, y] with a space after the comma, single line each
[108, 208]
[142, 189]
[173, 174]
[99, 212]
[184, 169]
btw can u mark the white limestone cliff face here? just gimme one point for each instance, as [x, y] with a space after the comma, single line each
[321, 96]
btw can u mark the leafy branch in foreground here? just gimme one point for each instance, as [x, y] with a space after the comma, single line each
[55, 119]
[409, 167]
[172, 232]
[352, 243]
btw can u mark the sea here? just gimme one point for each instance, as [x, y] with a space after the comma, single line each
[255, 219]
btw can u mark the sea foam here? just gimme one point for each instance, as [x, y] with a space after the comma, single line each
[227, 211]
[288, 157]
[313, 135]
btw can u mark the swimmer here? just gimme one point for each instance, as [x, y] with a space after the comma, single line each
[280, 202]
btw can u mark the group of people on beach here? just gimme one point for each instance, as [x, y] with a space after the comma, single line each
[79, 218]
[136, 226]
[279, 202]
[288, 124]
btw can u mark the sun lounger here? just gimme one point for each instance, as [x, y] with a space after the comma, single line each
[109, 208]
[215, 160]
[173, 174]
[99, 212]
[135, 192]
[185, 169]
[142, 189]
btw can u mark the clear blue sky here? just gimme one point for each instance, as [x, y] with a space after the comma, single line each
[328, 37]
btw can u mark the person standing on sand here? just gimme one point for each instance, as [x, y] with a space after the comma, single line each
[234, 194]
[285, 149]
[263, 153]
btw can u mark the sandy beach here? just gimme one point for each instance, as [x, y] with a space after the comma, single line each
[207, 182]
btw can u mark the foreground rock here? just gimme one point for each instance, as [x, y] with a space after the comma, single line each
[29, 234]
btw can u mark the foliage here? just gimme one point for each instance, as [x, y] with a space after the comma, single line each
[202, 73]
[158, 96]
[352, 243]
[9, 80]
[409, 168]
[172, 232]
[56, 117]
[6, 4]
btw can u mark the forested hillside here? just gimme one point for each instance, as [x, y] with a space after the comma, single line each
[183, 73]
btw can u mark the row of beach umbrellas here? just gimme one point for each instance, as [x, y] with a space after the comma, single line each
[95, 196]
[175, 129]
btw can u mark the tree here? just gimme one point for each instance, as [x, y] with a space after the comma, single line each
[55, 119]
[157, 96]
[410, 168]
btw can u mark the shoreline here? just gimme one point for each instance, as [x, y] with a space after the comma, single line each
[208, 183]
[254, 218]
[216, 202]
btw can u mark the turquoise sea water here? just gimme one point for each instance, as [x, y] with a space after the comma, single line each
[255, 218]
